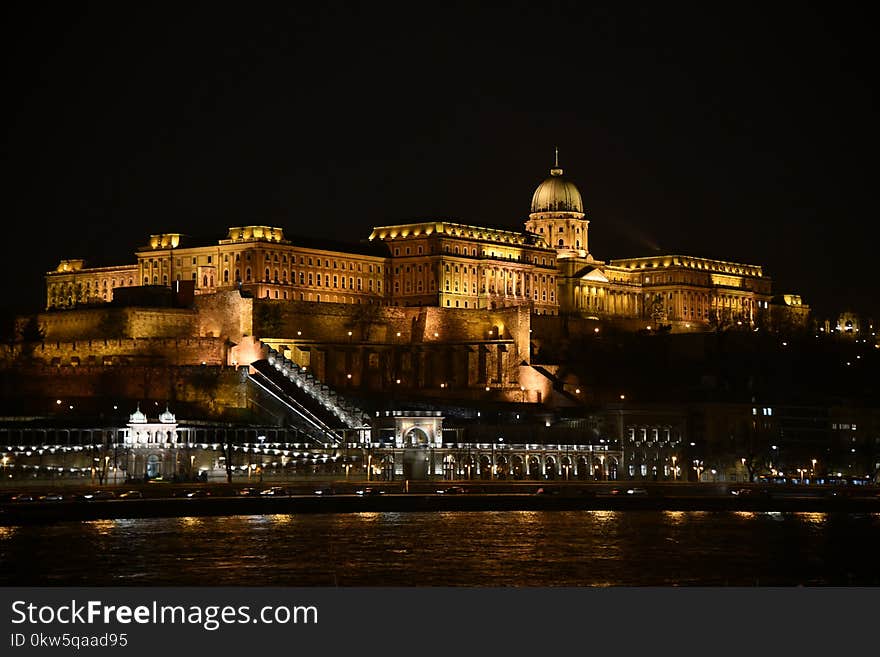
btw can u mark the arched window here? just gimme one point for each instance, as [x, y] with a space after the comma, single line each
[204, 281]
[225, 275]
[247, 274]
[267, 272]
[560, 242]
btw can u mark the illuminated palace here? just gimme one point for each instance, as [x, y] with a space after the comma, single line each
[347, 344]
[547, 268]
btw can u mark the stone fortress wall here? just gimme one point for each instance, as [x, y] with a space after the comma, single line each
[369, 347]
[121, 351]
[338, 322]
[380, 347]
[112, 322]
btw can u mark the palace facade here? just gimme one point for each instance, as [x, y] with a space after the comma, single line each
[547, 267]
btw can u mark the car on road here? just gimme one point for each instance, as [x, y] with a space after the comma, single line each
[192, 493]
[98, 495]
[244, 492]
[325, 491]
[364, 492]
[22, 497]
[274, 491]
[623, 491]
[452, 490]
[611, 491]
[131, 495]
[52, 497]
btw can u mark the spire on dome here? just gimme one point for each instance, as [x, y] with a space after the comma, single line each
[556, 171]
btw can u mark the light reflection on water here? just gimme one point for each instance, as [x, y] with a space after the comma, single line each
[814, 518]
[102, 527]
[188, 522]
[604, 516]
[517, 548]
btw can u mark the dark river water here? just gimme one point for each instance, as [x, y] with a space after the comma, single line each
[547, 548]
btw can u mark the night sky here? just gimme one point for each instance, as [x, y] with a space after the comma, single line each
[727, 132]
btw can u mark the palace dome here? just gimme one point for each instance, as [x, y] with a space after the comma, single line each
[556, 194]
